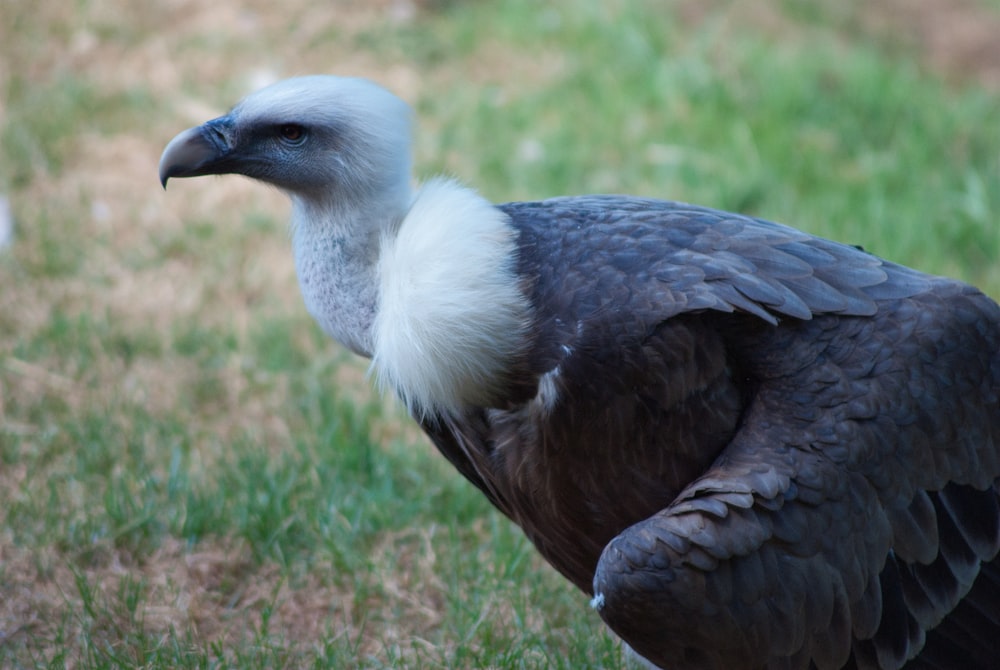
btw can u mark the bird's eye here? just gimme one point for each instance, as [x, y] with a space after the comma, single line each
[292, 132]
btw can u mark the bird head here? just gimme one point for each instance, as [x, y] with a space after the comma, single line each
[315, 137]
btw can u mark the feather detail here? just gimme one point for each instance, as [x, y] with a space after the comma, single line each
[451, 318]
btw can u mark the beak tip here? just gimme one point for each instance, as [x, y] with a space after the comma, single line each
[189, 154]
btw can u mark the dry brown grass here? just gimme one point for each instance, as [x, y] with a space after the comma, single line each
[957, 39]
[215, 592]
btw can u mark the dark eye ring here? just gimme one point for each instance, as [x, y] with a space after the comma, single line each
[292, 132]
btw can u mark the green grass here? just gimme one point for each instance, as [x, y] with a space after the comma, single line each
[833, 137]
[192, 476]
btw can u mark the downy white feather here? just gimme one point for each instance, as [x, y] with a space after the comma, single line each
[451, 319]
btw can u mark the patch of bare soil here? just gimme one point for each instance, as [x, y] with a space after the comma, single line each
[214, 593]
[53, 602]
[958, 38]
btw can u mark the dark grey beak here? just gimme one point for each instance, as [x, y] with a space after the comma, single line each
[202, 150]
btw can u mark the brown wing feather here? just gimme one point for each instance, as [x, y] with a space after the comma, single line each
[782, 445]
[833, 468]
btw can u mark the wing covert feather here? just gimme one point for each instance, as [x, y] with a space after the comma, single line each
[685, 258]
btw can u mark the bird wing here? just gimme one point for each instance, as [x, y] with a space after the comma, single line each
[657, 259]
[792, 561]
[859, 481]
[784, 446]
[849, 514]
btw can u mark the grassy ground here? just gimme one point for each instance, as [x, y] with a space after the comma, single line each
[192, 476]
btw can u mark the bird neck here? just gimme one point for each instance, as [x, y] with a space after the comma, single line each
[425, 285]
[336, 249]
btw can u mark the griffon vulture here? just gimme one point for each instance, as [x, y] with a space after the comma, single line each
[752, 447]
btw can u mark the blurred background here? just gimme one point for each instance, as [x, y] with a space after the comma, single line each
[191, 475]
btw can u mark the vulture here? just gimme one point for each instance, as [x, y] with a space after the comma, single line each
[750, 446]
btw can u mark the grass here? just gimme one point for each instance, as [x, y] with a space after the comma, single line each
[192, 476]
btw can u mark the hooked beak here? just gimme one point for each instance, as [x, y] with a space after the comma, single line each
[198, 151]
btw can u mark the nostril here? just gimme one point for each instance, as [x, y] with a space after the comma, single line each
[215, 133]
[218, 137]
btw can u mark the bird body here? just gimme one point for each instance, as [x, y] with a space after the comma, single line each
[753, 447]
